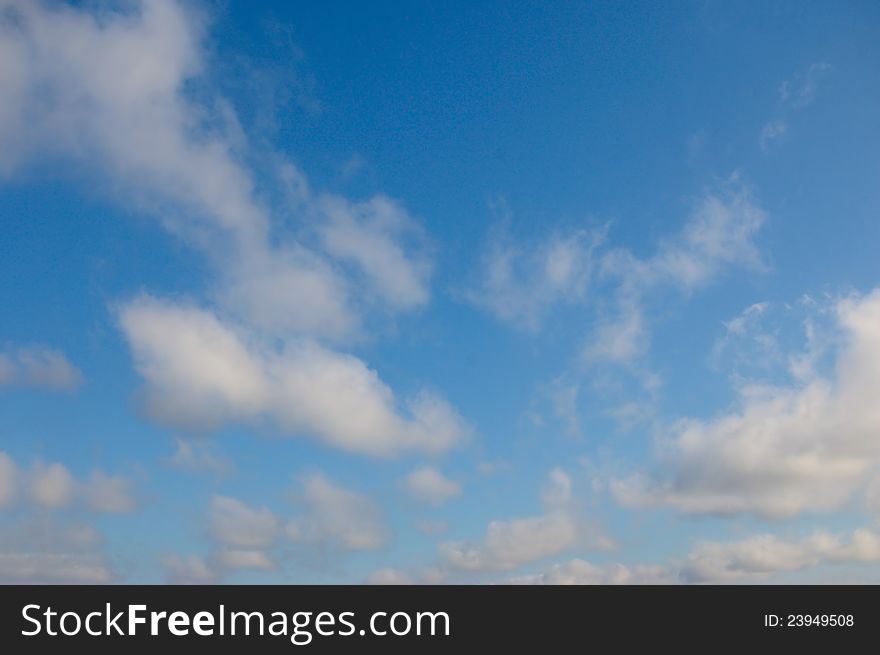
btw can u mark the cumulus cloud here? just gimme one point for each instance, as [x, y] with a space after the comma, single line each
[807, 446]
[38, 367]
[335, 516]
[53, 487]
[430, 486]
[48, 552]
[521, 283]
[581, 572]
[762, 556]
[244, 538]
[235, 524]
[202, 373]
[109, 89]
[509, 544]
[757, 558]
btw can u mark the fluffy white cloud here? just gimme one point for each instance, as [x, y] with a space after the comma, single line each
[46, 552]
[428, 485]
[35, 366]
[808, 446]
[54, 487]
[762, 556]
[237, 525]
[522, 283]
[109, 89]
[507, 545]
[510, 544]
[753, 559]
[336, 516]
[581, 572]
[51, 486]
[202, 373]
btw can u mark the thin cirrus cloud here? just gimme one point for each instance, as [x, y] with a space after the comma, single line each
[794, 94]
[808, 446]
[522, 283]
[202, 373]
[38, 367]
[719, 233]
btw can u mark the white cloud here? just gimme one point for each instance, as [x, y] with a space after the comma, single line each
[507, 545]
[38, 367]
[763, 556]
[234, 524]
[367, 235]
[788, 449]
[581, 572]
[46, 552]
[202, 373]
[8, 480]
[238, 559]
[198, 456]
[107, 493]
[719, 233]
[556, 492]
[794, 94]
[389, 576]
[336, 516]
[510, 544]
[53, 487]
[428, 485]
[522, 283]
[758, 558]
[800, 90]
[772, 131]
[191, 569]
[109, 91]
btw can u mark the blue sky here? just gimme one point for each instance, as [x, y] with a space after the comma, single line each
[452, 292]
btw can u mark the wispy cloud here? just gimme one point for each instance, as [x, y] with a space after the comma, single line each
[794, 94]
[38, 367]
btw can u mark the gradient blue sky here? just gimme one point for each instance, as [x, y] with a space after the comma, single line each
[444, 292]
